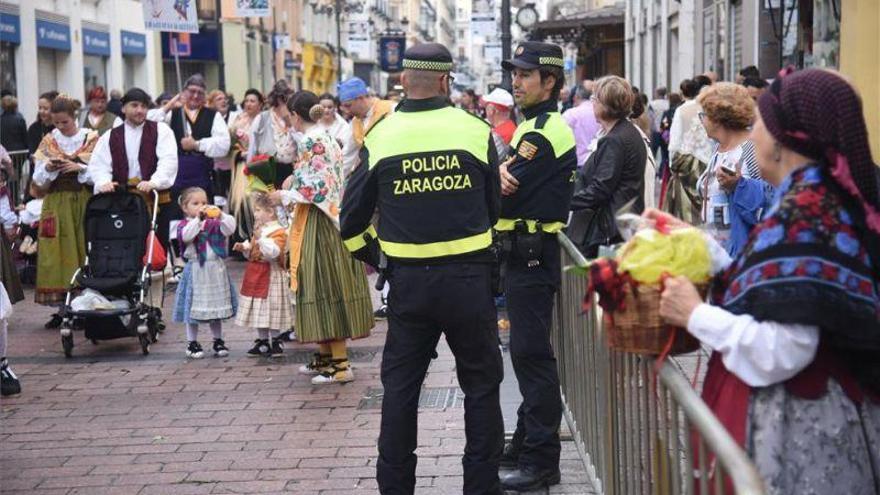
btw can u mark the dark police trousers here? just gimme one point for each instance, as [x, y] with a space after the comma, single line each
[530, 293]
[426, 300]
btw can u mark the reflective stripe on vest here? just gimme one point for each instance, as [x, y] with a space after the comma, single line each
[508, 224]
[437, 249]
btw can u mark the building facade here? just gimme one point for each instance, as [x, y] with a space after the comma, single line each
[72, 46]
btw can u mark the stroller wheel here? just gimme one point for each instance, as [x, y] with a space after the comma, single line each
[145, 343]
[67, 343]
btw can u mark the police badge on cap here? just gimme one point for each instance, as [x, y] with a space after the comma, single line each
[534, 54]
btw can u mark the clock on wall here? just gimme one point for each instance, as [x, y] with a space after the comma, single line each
[527, 17]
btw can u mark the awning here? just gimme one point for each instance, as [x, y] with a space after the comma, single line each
[605, 16]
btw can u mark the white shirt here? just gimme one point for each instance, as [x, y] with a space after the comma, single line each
[341, 131]
[216, 146]
[68, 144]
[101, 164]
[681, 122]
[7, 214]
[760, 353]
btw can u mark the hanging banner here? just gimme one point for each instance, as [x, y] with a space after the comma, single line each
[252, 8]
[391, 50]
[178, 16]
[483, 18]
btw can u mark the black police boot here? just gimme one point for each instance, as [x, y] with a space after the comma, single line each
[530, 478]
[510, 457]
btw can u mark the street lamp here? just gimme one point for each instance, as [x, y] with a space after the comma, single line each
[338, 7]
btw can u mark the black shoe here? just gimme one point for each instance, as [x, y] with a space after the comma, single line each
[194, 350]
[381, 313]
[529, 478]
[260, 348]
[54, 323]
[220, 349]
[276, 349]
[288, 336]
[510, 457]
[9, 384]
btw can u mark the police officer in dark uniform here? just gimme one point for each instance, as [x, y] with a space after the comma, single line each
[537, 185]
[431, 170]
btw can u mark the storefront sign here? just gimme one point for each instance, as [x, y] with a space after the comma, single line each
[391, 50]
[133, 43]
[53, 35]
[177, 16]
[96, 42]
[10, 28]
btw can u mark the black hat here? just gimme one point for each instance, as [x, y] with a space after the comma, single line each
[428, 56]
[534, 54]
[136, 94]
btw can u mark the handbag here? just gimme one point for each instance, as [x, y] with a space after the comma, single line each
[160, 259]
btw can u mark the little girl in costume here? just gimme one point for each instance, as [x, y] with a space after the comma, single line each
[205, 293]
[265, 293]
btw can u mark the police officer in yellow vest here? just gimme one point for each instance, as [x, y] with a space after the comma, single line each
[537, 185]
[432, 172]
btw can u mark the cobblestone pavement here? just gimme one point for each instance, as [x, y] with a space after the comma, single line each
[110, 420]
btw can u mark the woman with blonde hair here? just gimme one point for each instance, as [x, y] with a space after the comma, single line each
[614, 175]
[332, 297]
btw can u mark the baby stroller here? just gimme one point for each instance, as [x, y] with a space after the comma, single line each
[117, 225]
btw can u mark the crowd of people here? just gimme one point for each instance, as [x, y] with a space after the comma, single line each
[778, 173]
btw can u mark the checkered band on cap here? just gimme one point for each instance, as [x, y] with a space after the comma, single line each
[427, 65]
[551, 61]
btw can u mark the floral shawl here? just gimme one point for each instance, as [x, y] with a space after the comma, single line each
[808, 264]
[49, 149]
[318, 177]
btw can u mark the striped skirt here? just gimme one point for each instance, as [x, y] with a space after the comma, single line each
[332, 299]
[204, 293]
[275, 311]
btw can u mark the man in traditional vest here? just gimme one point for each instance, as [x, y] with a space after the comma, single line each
[201, 136]
[140, 154]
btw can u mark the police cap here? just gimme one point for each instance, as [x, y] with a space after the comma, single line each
[534, 54]
[428, 56]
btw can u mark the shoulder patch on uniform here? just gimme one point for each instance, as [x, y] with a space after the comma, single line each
[526, 150]
[541, 120]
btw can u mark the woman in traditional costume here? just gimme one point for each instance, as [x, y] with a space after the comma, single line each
[332, 298]
[793, 323]
[240, 130]
[60, 174]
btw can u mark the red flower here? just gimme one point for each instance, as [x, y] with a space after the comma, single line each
[829, 272]
[801, 270]
[246, 171]
[866, 287]
[734, 288]
[260, 158]
[318, 149]
[770, 270]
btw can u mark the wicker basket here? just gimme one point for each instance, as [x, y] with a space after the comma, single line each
[638, 328]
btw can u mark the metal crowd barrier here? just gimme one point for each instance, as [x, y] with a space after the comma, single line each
[18, 185]
[638, 432]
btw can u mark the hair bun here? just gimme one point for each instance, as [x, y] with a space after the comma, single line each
[316, 113]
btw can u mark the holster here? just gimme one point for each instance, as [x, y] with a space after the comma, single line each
[527, 247]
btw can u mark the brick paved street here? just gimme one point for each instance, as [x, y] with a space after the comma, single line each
[110, 420]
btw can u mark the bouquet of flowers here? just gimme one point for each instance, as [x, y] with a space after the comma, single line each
[261, 173]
